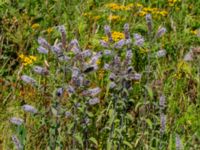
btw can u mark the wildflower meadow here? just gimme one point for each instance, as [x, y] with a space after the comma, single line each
[100, 75]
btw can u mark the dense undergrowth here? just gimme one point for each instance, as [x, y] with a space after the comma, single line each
[100, 74]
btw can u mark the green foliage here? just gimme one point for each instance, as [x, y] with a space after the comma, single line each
[127, 116]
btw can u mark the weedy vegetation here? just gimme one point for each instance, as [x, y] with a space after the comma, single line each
[100, 75]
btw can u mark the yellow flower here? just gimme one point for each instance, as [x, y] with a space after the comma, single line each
[113, 17]
[96, 17]
[116, 36]
[35, 26]
[27, 60]
[101, 74]
[49, 30]
[142, 13]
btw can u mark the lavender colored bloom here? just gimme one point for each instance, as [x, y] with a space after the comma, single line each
[75, 50]
[149, 22]
[16, 142]
[63, 58]
[28, 79]
[92, 92]
[161, 32]
[136, 76]
[119, 44]
[42, 50]
[70, 89]
[43, 43]
[75, 72]
[29, 108]
[139, 40]
[106, 66]
[112, 77]
[63, 35]
[56, 49]
[16, 121]
[40, 70]
[95, 58]
[178, 142]
[162, 101]
[107, 52]
[94, 101]
[59, 92]
[86, 53]
[126, 31]
[104, 43]
[73, 43]
[161, 53]
[108, 32]
[129, 56]
[162, 123]
[68, 114]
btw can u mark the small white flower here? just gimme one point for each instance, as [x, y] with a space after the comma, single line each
[29, 108]
[16, 121]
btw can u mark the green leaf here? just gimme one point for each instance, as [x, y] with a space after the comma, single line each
[128, 144]
[149, 122]
[79, 139]
[92, 139]
[150, 91]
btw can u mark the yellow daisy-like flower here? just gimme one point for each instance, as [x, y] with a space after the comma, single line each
[27, 60]
[49, 30]
[35, 26]
[116, 36]
[96, 17]
[113, 17]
